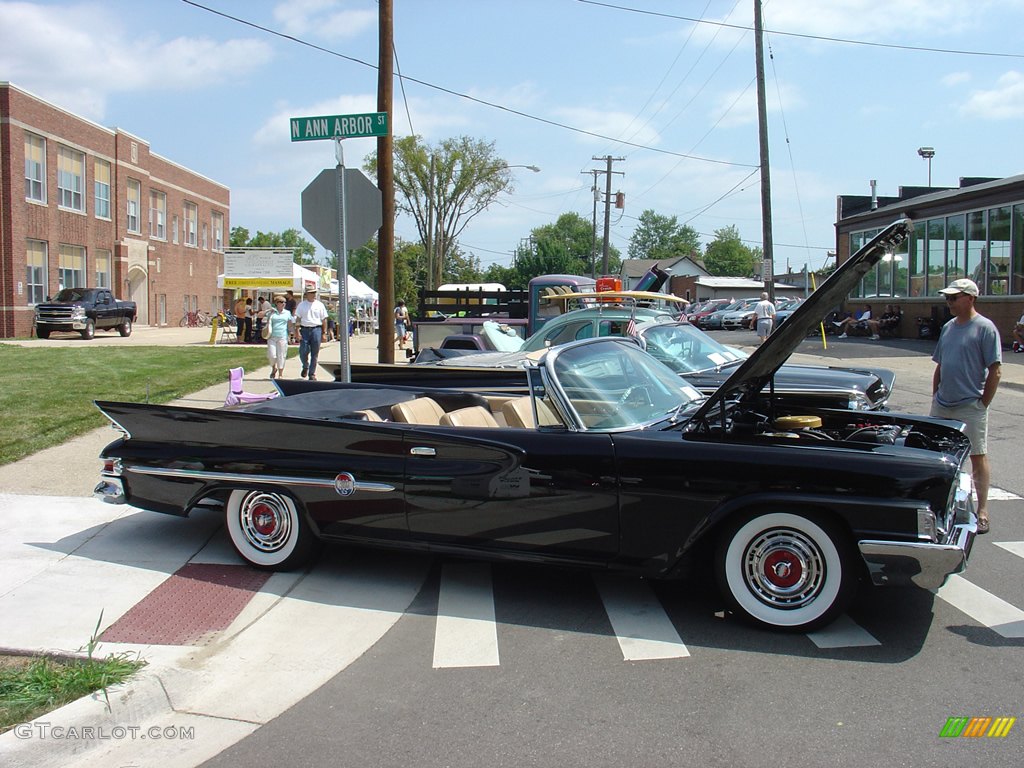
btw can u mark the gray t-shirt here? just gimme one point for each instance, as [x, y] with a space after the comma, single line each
[965, 352]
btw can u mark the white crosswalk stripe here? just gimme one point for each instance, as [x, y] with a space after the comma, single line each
[641, 626]
[844, 632]
[984, 607]
[1016, 547]
[998, 494]
[466, 634]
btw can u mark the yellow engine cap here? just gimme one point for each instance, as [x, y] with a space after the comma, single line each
[798, 422]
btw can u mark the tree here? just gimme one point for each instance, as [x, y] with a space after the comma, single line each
[564, 247]
[662, 237]
[305, 251]
[727, 256]
[443, 188]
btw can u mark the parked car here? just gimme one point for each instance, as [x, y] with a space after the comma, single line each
[705, 308]
[736, 318]
[713, 321]
[610, 462]
[85, 311]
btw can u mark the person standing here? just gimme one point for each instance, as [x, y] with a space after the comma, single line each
[968, 365]
[278, 319]
[239, 311]
[764, 311]
[311, 317]
[248, 321]
[261, 309]
[290, 304]
[401, 323]
[1018, 335]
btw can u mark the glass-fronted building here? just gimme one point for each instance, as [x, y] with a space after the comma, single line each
[975, 230]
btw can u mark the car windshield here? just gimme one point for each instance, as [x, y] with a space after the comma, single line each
[71, 294]
[686, 349]
[616, 385]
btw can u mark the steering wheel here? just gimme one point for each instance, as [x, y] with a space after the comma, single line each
[631, 390]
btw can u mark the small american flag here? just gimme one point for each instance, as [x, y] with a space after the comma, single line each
[631, 327]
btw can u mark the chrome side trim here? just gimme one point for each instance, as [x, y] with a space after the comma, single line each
[238, 477]
[422, 451]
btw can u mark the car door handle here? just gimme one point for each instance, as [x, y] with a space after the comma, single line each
[422, 450]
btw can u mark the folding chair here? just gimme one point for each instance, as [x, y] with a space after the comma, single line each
[237, 395]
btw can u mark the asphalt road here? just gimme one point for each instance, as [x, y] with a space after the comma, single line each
[566, 686]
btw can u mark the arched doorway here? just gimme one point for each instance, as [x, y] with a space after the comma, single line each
[138, 291]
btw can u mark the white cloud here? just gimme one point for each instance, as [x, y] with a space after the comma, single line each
[610, 123]
[99, 56]
[955, 78]
[325, 19]
[1003, 102]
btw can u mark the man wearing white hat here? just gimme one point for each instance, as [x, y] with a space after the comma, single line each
[312, 319]
[968, 364]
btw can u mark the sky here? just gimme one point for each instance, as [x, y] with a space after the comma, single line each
[854, 88]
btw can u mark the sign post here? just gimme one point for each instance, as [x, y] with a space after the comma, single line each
[329, 223]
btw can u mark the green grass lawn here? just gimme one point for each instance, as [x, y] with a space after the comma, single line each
[46, 394]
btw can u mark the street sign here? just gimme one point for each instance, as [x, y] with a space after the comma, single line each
[363, 212]
[339, 126]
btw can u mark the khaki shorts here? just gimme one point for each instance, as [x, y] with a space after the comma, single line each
[974, 415]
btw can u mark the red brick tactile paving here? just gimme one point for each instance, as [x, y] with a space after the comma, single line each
[195, 602]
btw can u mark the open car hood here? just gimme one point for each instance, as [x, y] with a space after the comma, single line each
[752, 376]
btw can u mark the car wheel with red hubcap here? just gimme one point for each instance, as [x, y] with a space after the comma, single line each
[267, 529]
[786, 571]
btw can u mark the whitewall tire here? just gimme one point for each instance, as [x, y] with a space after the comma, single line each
[267, 530]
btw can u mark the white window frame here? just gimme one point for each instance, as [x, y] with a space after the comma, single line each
[36, 275]
[71, 267]
[35, 168]
[174, 229]
[101, 266]
[70, 179]
[101, 189]
[133, 189]
[217, 223]
[191, 215]
[157, 214]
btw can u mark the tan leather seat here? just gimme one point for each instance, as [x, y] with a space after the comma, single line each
[422, 410]
[369, 415]
[474, 416]
[519, 413]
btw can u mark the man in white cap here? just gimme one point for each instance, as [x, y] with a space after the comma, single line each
[968, 364]
[312, 319]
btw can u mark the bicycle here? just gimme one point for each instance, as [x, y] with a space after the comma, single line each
[197, 319]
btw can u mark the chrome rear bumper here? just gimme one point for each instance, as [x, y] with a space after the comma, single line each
[110, 490]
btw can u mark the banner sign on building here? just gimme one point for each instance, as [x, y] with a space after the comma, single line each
[258, 268]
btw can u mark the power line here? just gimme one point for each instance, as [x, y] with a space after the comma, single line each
[460, 95]
[919, 48]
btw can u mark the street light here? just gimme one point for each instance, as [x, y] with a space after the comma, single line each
[927, 153]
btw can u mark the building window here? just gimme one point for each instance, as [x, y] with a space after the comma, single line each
[35, 271]
[134, 203]
[206, 237]
[174, 228]
[102, 269]
[977, 242]
[71, 269]
[157, 215]
[101, 189]
[1017, 270]
[162, 309]
[191, 224]
[218, 231]
[997, 268]
[71, 179]
[35, 168]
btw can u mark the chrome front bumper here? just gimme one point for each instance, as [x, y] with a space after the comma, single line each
[892, 563]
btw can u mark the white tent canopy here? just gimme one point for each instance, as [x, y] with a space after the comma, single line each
[357, 290]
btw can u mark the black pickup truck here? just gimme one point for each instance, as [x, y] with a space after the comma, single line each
[85, 311]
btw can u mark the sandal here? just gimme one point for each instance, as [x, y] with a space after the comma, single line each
[982, 526]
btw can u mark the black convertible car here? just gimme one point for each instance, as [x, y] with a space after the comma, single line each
[610, 461]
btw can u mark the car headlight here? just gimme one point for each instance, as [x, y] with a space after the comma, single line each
[78, 312]
[858, 402]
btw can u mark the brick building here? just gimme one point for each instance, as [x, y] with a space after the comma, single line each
[84, 205]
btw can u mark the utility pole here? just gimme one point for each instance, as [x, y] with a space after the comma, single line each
[593, 231]
[607, 201]
[386, 184]
[762, 133]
